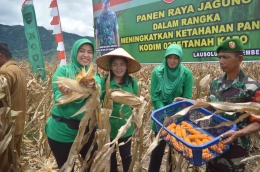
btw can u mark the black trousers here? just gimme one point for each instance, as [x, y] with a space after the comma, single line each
[61, 150]
[125, 153]
[157, 156]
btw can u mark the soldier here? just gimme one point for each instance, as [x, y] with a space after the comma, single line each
[106, 27]
[234, 86]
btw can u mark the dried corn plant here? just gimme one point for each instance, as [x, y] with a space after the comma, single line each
[35, 152]
[250, 159]
[7, 126]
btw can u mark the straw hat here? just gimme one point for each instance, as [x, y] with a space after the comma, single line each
[104, 61]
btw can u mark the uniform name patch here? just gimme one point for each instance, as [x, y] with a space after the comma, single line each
[236, 99]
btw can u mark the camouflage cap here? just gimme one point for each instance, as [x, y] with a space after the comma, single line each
[230, 45]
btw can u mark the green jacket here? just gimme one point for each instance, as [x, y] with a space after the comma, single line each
[59, 131]
[184, 88]
[115, 120]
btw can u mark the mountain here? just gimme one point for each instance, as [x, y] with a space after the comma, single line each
[14, 36]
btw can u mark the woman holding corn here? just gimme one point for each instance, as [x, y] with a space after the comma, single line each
[61, 128]
[168, 81]
[119, 63]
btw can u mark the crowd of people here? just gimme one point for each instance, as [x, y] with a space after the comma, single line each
[170, 82]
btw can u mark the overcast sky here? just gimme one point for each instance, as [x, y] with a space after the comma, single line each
[76, 15]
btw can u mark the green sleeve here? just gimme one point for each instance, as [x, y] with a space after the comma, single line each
[157, 103]
[135, 87]
[188, 85]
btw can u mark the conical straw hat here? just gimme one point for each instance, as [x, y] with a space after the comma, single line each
[104, 61]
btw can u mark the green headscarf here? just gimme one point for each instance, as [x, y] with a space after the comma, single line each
[171, 77]
[74, 67]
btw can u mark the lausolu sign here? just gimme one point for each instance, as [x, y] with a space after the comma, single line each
[168, 1]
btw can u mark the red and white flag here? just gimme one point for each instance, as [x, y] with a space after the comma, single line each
[27, 2]
[57, 31]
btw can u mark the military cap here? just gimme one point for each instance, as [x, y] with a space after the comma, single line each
[230, 45]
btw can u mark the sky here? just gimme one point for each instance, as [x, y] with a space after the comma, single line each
[76, 15]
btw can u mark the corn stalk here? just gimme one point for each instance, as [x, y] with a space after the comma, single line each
[7, 131]
[33, 161]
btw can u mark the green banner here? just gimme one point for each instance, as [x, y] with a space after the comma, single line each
[33, 40]
[147, 28]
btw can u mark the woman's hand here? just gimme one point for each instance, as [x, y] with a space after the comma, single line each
[90, 84]
[64, 90]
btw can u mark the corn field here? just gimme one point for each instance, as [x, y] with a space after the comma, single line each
[36, 155]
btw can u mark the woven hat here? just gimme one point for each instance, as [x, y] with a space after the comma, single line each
[104, 61]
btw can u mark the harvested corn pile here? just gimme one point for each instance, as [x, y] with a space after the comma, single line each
[188, 134]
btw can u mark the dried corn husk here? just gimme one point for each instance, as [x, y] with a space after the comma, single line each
[7, 128]
[70, 98]
[7, 139]
[84, 76]
[139, 113]
[247, 108]
[108, 103]
[73, 85]
[204, 82]
[102, 160]
[79, 91]
[152, 146]
[125, 98]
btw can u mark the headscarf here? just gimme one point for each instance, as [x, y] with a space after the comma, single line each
[74, 67]
[171, 77]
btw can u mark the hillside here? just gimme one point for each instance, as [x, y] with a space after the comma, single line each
[14, 36]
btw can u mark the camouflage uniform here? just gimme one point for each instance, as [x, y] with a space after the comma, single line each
[242, 89]
[105, 27]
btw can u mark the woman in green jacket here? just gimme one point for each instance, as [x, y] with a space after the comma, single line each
[119, 63]
[61, 128]
[168, 81]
